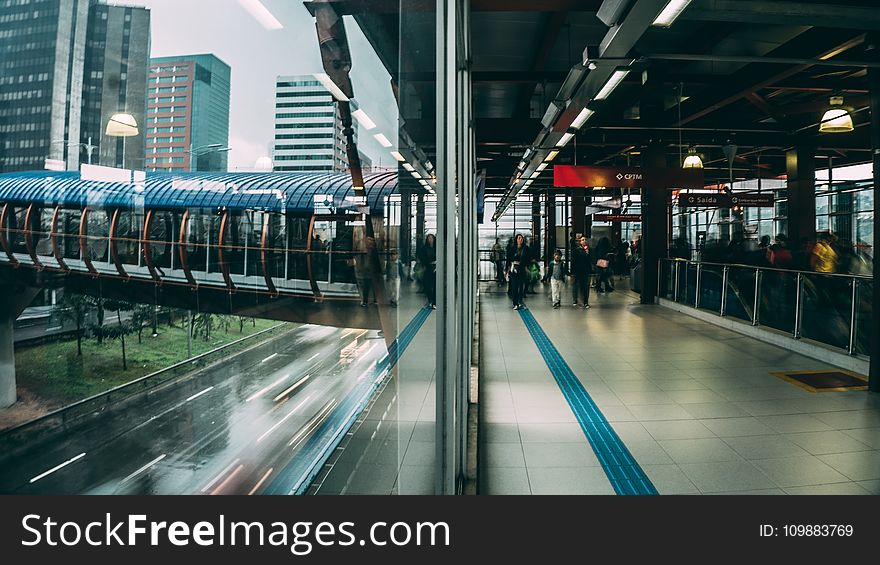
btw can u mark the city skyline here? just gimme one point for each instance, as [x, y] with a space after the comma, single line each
[256, 61]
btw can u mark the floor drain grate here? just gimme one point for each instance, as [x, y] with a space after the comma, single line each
[825, 381]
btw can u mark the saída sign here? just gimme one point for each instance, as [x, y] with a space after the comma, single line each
[722, 200]
[574, 176]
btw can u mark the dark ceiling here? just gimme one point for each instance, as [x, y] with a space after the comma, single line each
[757, 74]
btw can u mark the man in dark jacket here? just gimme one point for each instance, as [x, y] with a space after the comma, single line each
[582, 268]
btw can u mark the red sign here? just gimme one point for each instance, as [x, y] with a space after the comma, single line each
[618, 218]
[573, 176]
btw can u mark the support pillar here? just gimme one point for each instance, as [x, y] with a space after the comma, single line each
[536, 217]
[873, 51]
[420, 222]
[15, 300]
[578, 213]
[800, 164]
[550, 226]
[655, 230]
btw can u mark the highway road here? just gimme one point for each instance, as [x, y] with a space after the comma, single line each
[254, 424]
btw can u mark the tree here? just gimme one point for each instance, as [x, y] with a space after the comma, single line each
[120, 329]
[141, 316]
[77, 307]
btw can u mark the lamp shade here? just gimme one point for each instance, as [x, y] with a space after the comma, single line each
[122, 125]
[836, 119]
[692, 161]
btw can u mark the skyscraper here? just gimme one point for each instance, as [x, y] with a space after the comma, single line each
[308, 130]
[188, 114]
[41, 79]
[68, 65]
[117, 58]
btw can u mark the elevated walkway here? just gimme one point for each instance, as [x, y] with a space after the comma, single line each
[696, 407]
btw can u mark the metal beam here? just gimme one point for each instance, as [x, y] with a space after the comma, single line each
[353, 7]
[552, 28]
[742, 92]
[784, 13]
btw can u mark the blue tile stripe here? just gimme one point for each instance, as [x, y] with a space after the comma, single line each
[298, 475]
[624, 473]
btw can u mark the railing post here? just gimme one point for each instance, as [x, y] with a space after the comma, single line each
[697, 294]
[757, 305]
[675, 284]
[798, 305]
[724, 275]
[851, 348]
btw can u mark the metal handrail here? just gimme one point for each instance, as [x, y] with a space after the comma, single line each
[776, 269]
[855, 282]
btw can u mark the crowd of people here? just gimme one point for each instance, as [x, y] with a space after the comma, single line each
[827, 253]
[518, 267]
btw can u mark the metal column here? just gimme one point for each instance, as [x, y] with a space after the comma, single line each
[446, 350]
[873, 51]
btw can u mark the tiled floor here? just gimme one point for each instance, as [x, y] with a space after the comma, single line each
[695, 404]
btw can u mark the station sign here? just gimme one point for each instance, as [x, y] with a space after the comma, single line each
[722, 200]
[575, 176]
[618, 218]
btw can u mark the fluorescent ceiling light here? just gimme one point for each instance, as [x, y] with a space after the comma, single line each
[408, 167]
[535, 175]
[325, 80]
[415, 174]
[552, 155]
[564, 139]
[383, 141]
[397, 156]
[613, 82]
[526, 154]
[669, 14]
[262, 14]
[542, 166]
[364, 119]
[423, 182]
[582, 118]
[521, 165]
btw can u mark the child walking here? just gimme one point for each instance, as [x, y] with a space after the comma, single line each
[558, 272]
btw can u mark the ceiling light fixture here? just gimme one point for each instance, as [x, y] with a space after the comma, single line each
[364, 119]
[582, 118]
[564, 139]
[692, 161]
[397, 156]
[383, 141]
[670, 13]
[836, 119]
[613, 82]
[552, 155]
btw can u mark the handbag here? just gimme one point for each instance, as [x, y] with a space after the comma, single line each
[602, 263]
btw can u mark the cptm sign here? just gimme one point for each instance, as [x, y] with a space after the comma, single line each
[573, 176]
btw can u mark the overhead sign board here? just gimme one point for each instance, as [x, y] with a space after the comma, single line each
[614, 218]
[721, 200]
[574, 176]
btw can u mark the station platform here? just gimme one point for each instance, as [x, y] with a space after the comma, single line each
[626, 398]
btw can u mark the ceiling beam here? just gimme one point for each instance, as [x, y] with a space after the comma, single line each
[784, 13]
[741, 92]
[552, 28]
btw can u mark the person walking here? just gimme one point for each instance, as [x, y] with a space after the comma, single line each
[603, 266]
[497, 257]
[428, 263]
[519, 260]
[582, 268]
[558, 273]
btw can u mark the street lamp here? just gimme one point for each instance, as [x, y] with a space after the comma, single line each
[122, 125]
[199, 151]
[90, 149]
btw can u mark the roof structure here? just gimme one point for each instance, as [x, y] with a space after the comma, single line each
[277, 192]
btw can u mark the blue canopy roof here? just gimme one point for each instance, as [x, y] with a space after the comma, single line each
[279, 192]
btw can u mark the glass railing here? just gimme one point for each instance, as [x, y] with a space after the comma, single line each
[830, 308]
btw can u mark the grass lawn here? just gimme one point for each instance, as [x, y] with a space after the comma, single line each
[56, 376]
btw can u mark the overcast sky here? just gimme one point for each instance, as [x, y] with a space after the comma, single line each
[257, 57]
